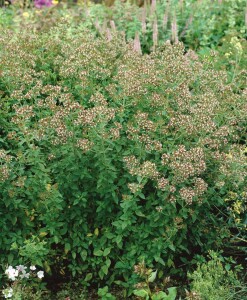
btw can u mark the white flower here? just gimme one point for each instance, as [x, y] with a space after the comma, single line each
[21, 268]
[32, 268]
[24, 275]
[8, 293]
[40, 274]
[11, 273]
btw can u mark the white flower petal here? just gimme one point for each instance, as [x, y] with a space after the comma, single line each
[40, 274]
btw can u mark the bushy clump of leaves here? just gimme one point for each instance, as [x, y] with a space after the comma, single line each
[232, 57]
[108, 157]
[212, 280]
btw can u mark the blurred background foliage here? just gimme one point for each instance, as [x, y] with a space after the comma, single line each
[197, 23]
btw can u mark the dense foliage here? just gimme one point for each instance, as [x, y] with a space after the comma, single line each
[123, 156]
[109, 157]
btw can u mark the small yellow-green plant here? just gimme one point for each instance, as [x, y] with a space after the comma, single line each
[214, 280]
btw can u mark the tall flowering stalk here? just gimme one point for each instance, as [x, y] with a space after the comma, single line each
[181, 4]
[137, 44]
[97, 25]
[165, 18]
[108, 34]
[153, 7]
[113, 26]
[143, 18]
[188, 22]
[174, 36]
[155, 33]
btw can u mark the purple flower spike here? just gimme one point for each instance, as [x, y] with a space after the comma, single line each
[42, 3]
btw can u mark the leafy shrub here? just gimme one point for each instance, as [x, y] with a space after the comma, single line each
[6, 18]
[108, 157]
[212, 281]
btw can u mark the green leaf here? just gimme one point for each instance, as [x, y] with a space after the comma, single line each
[67, 247]
[14, 246]
[101, 274]
[119, 239]
[124, 225]
[105, 269]
[152, 276]
[103, 291]
[172, 293]
[14, 220]
[140, 214]
[171, 246]
[83, 254]
[170, 263]
[10, 258]
[142, 196]
[120, 265]
[139, 179]
[109, 235]
[108, 262]
[106, 251]
[160, 260]
[64, 230]
[160, 274]
[141, 293]
[98, 252]
[88, 277]
[160, 296]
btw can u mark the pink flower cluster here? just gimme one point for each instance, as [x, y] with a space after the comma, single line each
[42, 3]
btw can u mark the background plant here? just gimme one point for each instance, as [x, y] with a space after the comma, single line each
[214, 280]
[198, 24]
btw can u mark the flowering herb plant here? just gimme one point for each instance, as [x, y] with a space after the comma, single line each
[108, 156]
[20, 276]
